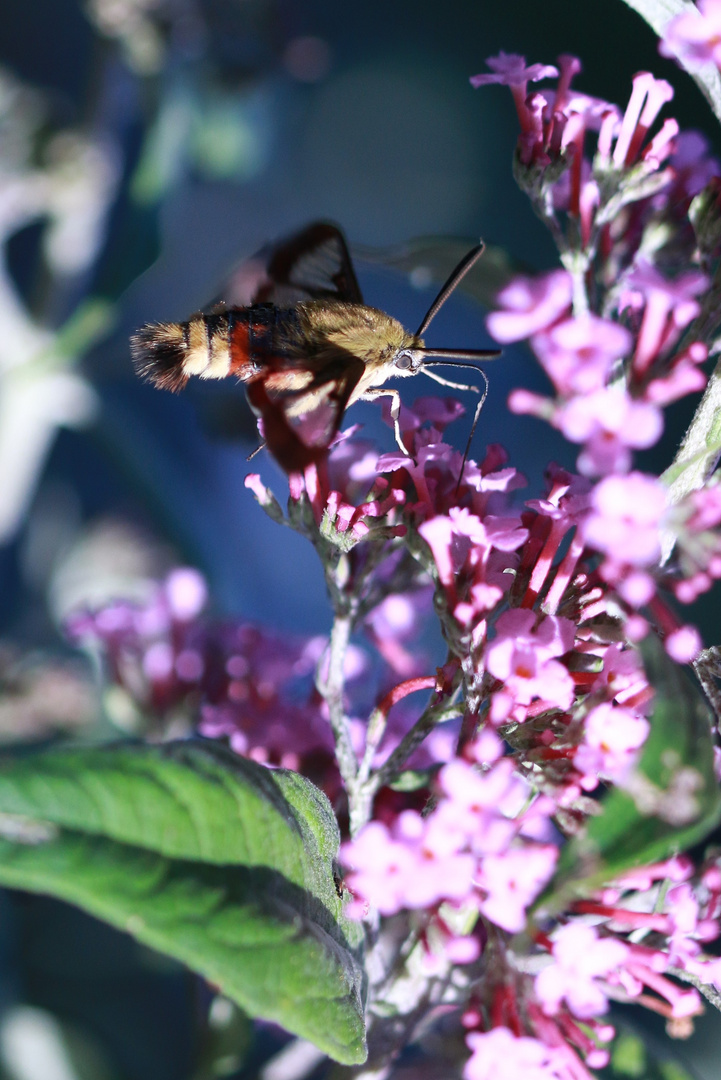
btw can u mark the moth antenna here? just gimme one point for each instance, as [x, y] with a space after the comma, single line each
[456, 276]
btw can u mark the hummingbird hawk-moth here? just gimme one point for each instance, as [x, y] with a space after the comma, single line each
[295, 331]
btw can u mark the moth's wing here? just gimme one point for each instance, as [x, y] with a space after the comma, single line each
[299, 425]
[428, 259]
[313, 264]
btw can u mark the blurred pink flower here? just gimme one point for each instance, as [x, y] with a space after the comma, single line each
[531, 305]
[511, 881]
[500, 1055]
[578, 354]
[625, 518]
[580, 958]
[695, 35]
[612, 736]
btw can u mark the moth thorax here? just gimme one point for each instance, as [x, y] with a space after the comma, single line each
[366, 333]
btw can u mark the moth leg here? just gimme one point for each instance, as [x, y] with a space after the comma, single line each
[376, 392]
[256, 451]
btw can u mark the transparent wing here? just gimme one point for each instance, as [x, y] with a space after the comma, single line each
[313, 264]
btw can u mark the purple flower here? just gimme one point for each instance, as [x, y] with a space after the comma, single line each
[625, 519]
[695, 35]
[395, 621]
[510, 70]
[581, 958]
[648, 97]
[609, 423]
[521, 658]
[380, 867]
[578, 353]
[683, 645]
[186, 592]
[669, 308]
[500, 1055]
[612, 737]
[531, 305]
[692, 165]
[512, 880]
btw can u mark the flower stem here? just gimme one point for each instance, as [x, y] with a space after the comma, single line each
[330, 682]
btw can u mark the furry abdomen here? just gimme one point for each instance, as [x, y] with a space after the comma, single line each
[237, 341]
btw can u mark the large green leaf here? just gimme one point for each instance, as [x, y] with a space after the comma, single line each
[210, 858]
[671, 801]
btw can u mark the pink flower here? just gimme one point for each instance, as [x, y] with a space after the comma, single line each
[578, 353]
[581, 957]
[186, 593]
[437, 876]
[465, 548]
[622, 675]
[692, 165]
[669, 307]
[625, 519]
[526, 677]
[551, 636]
[415, 865]
[500, 1055]
[510, 70]
[521, 658]
[612, 737]
[704, 508]
[512, 880]
[647, 98]
[380, 867]
[609, 422]
[532, 305]
[695, 35]
[683, 645]
[470, 812]
[683, 378]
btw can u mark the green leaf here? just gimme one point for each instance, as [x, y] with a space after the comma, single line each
[202, 855]
[670, 802]
[632, 1059]
[414, 779]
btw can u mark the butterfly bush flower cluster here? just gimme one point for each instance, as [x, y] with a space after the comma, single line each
[233, 680]
[460, 811]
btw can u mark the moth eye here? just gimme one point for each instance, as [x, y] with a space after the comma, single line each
[403, 361]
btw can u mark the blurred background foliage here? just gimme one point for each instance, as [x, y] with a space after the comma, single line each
[146, 148]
